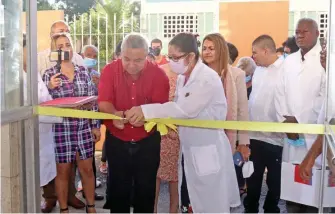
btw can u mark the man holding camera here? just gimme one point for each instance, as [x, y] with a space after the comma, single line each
[43, 57]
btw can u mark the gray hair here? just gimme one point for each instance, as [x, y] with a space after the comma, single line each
[135, 41]
[90, 46]
[247, 64]
[313, 24]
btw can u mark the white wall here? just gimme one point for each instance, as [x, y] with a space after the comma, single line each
[309, 5]
[179, 7]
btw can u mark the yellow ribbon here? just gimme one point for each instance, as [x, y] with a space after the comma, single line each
[163, 124]
[66, 112]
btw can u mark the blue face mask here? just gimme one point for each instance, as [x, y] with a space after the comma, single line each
[247, 78]
[296, 143]
[90, 63]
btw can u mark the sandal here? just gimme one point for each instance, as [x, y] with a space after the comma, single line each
[89, 206]
[64, 210]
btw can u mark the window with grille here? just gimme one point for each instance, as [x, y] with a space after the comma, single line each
[174, 24]
[323, 24]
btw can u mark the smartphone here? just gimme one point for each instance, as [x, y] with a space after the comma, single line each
[64, 55]
[238, 159]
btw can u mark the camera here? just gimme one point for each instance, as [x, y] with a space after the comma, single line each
[58, 56]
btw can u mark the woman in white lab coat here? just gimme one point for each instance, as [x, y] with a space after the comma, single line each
[206, 153]
[46, 145]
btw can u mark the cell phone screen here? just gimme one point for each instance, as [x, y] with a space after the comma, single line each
[238, 159]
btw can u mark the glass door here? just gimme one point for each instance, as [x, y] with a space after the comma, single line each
[19, 127]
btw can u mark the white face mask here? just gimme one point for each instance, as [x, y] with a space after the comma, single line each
[178, 67]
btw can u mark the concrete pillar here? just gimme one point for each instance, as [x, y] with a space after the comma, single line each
[10, 152]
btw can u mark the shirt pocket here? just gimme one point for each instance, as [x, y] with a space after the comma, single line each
[205, 160]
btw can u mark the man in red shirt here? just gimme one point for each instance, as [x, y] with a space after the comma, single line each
[157, 46]
[133, 154]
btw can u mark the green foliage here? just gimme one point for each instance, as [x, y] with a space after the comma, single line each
[41, 5]
[44, 5]
[75, 7]
[121, 9]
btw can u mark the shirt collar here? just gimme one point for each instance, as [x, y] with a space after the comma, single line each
[277, 63]
[76, 68]
[196, 70]
[127, 75]
[313, 52]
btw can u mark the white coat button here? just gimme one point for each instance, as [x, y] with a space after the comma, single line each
[131, 126]
[132, 98]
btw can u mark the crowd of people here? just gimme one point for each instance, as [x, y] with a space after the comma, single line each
[203, 167]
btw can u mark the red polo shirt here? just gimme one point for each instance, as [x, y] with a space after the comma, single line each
[117, 87]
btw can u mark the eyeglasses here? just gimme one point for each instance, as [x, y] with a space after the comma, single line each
[176, 59]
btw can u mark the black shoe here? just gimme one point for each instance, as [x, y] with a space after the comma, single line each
[97, 197]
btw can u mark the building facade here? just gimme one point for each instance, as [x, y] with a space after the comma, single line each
[317, 10]
[164, 19]
[232, 18]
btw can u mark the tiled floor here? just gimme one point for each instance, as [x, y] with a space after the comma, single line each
[163, 206]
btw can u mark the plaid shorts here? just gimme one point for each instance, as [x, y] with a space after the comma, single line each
[72, 136]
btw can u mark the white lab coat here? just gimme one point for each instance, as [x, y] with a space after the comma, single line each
[208, 162]
[300, 93]
[46, 137]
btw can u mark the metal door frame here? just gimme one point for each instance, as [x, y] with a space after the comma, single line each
[30, 162]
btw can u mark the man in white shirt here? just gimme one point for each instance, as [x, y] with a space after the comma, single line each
[43, 56]
[309, 160]
[266, 148]
[299, 95]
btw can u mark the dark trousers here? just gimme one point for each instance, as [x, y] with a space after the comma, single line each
[103, 155]
[49, 190]
[239, 175]
[264, 155]
[132, 163]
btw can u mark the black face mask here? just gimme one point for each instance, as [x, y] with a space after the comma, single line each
[156, 51]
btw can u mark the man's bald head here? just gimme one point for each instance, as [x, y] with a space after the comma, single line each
[264, 50]
[59, 27]
[306, 33]
[265, 42]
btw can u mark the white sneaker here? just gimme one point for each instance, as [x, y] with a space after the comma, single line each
[98, 183]
[80, 186]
